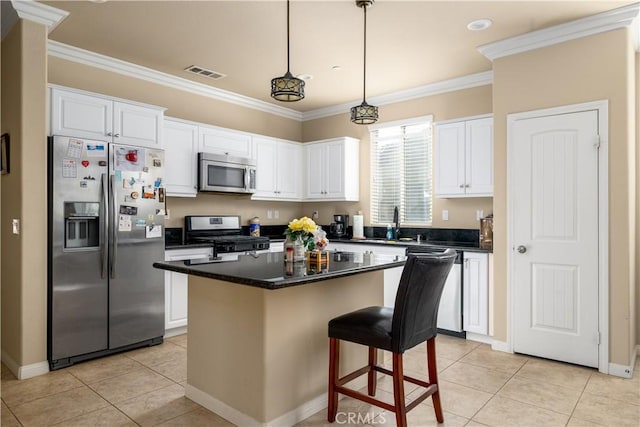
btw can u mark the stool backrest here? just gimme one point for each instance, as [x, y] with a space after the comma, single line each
[415, 315]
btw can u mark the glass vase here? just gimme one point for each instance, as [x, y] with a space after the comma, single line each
[298, 250]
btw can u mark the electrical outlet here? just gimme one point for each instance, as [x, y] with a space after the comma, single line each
[445, 215]
[16, 226]
[276, 214]
[479, 214]
[269, 214]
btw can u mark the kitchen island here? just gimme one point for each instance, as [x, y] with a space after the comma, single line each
[258, 346]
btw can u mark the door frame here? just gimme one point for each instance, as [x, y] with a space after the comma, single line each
[602, 106]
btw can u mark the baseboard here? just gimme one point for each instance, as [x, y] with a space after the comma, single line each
[471, 336]
[26, 371]
[501, 346]
[236, 417]
[175, 332]
[623, 371]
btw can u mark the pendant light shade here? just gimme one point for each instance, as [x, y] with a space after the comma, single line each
[287, 88]
[364, 114]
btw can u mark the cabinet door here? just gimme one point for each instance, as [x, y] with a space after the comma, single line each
[289, 171]
[334, 170]
[479, 157]
[80, 115]
[225, 142]
[266, 169]
[475, 294]
[137, 125]
[180, 163]
[315, 188]
[449, 159]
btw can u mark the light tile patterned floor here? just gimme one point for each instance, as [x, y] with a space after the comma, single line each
[479, 387]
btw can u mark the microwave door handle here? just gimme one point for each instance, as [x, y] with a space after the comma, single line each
[247, 179]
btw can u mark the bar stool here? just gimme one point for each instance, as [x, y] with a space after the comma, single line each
[412, 321]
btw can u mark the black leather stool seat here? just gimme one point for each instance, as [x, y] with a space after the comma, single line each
[369, 326]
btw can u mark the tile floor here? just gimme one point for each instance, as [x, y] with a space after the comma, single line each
[479, 387]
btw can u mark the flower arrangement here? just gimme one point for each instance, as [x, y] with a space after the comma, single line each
[306, 230]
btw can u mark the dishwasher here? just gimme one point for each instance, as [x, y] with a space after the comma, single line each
[450, 310]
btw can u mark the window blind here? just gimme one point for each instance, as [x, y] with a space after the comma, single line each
[401, 173]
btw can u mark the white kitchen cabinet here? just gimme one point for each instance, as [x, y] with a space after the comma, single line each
[463, 164]
[332, 170]
[475, 292]
[175, 285]
[86, 115]
[180, 158]
[391, 275]
[225, 142]
[279, 172]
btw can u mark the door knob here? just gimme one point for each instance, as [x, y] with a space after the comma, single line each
[522, 249]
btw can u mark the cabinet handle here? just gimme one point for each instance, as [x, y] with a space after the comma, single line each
[461, 185]
[117, 135]
[109, 134]
[467, 185]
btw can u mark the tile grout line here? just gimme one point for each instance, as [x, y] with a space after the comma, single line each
[12, 413]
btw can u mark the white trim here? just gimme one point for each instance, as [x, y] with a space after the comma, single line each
[460, 119]
[602, 107]
[504, 346]
[26, 371]
[623, 371]
[403, 122]
[92, 59]
[486, 339]
[39, 13]
[465, 82]
[174, 332]
[606, 21]
[107, 97]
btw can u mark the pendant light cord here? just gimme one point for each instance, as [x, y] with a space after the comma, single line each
[364, 72]
[288, 68]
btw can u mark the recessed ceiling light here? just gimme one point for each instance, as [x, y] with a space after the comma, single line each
[305, 76]
[336, 68]
[479, 24]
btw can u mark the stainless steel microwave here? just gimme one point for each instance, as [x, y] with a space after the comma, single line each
[226, 174]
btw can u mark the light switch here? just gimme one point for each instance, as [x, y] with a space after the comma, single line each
[445, 215]
[276, 214]
[269, 214]
[16, 226]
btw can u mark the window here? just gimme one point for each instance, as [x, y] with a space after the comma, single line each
[401, 172]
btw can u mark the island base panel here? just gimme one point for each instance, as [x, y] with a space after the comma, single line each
[259, 355]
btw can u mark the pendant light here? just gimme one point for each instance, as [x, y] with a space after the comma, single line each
[364, 114]
[287, 88]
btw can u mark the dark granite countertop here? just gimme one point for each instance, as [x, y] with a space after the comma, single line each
[460, 246]
[269, 271]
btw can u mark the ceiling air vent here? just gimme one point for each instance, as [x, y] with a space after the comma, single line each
[204, 72]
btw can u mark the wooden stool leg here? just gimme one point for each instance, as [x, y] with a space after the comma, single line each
[372, 377]
[334, 362]
[398, 391]
[433, 378]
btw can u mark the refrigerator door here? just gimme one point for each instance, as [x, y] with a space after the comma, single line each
[136, 289]
[78, 283]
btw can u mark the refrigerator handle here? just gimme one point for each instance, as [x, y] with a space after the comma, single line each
[114, 231]
[105, 227]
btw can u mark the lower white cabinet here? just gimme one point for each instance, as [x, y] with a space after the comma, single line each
[475, 292]
[391, 275]
[175, 287]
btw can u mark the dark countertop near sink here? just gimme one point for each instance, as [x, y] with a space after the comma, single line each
[269, 271]
[460, 246]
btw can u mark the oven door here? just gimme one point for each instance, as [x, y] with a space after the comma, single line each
[221, 176]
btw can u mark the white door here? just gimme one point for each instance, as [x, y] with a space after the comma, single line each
[81, 115]
[267, 168]
[449, 164]
[289, 171]
[334, 170]
[479, 157]
[554, 193]
[315, 171]
[180, 151]
[137, 125]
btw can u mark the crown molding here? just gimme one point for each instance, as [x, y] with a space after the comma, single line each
[72, 53]
[622, 17]
[39, 12]
[458, 83]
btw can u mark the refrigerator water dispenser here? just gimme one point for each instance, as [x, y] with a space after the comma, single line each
[82, 225]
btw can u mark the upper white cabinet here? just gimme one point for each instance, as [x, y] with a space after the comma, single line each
[278, 165]
[332, 169]
[85, 115]
[224, 141]
[475, 292]
[181, 148]
[464, 158]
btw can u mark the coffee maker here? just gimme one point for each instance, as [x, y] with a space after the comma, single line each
[339, 226]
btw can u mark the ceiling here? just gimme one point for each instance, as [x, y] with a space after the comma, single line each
[409, 43]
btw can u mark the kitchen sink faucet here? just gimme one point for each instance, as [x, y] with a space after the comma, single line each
[396, 221]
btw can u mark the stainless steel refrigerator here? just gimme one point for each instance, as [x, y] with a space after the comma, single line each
[106, 229]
